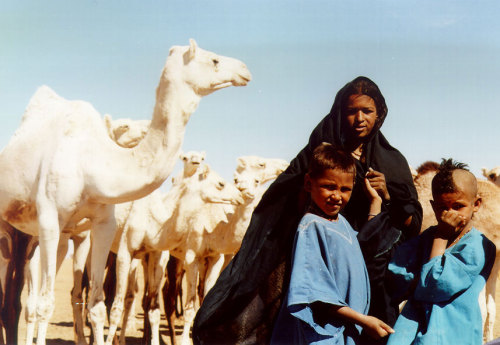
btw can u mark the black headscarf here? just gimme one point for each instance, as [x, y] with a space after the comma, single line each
[243, 304]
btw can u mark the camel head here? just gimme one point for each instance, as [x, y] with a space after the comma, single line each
[248, 183]
[214, 189]
[205, 72]
[492, 175]
[126, 132]
[267, 168]
[192, 161]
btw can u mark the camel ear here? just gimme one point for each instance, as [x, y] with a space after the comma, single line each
[192, 48]
[107, 123]
[485, 172]
[241, 163]
[203, 155]
[204, 172]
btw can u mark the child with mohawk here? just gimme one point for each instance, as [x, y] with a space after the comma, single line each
[442, 271]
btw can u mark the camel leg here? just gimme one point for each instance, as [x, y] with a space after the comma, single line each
[129, 299]
[110, 281]
[202, 276]
[32, 273]
[13, 255]
[227, 260]
[123, 261]
[6, 271]
[213, 271]
[170, 291]
[189, 307]
[489, 321]
[48, 220]
[82, 249]
[156, 270]
[103, 231]
[62, 250]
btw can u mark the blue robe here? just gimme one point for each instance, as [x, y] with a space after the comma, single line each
[442, 305]
[327, 267]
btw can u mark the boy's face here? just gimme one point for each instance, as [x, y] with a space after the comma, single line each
[331, 190]
[461, 202]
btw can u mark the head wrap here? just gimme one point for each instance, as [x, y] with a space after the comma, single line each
[242, 305]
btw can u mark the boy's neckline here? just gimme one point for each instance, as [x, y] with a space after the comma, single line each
[314, 209]
[459, 237]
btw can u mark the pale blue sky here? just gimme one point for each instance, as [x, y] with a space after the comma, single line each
[436, 63]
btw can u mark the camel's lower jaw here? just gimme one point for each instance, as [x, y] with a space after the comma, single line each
[222, 86]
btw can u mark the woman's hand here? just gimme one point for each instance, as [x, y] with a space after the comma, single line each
[377, 181]
[371, 192]
[376, 328]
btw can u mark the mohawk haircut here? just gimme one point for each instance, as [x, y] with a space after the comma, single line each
[327, 156]
[443, 181]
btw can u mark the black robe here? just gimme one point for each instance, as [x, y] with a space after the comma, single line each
[242, 306]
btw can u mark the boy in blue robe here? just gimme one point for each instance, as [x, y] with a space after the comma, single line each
[443, 270]
[329, 292]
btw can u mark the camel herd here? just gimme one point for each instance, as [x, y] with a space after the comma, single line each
[68, 173]
[61, 167]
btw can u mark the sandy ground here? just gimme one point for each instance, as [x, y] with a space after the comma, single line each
[60, 331]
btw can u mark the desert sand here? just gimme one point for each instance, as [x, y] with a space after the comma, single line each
[60, 331]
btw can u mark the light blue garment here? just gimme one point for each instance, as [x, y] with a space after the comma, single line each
[327, 267]
[443, 306]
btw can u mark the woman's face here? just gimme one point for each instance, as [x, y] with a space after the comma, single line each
[360, 116]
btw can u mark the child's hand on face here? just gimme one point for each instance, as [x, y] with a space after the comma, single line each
[450, 222]
[376, 328]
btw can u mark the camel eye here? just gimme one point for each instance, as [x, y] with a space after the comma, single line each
[221, 185]
[216, 62]
[492, 176]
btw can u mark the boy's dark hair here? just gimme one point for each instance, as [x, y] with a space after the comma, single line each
[443, 181]
[327, 156]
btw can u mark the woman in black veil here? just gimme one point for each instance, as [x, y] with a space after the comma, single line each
[242, 306]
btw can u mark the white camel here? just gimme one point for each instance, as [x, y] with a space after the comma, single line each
[192, 163]
[486, 220]
[250, 177]
[60, 166]
[126, 133]
[492, 174]
[214, 249]
[191, 160]
[158, 223]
